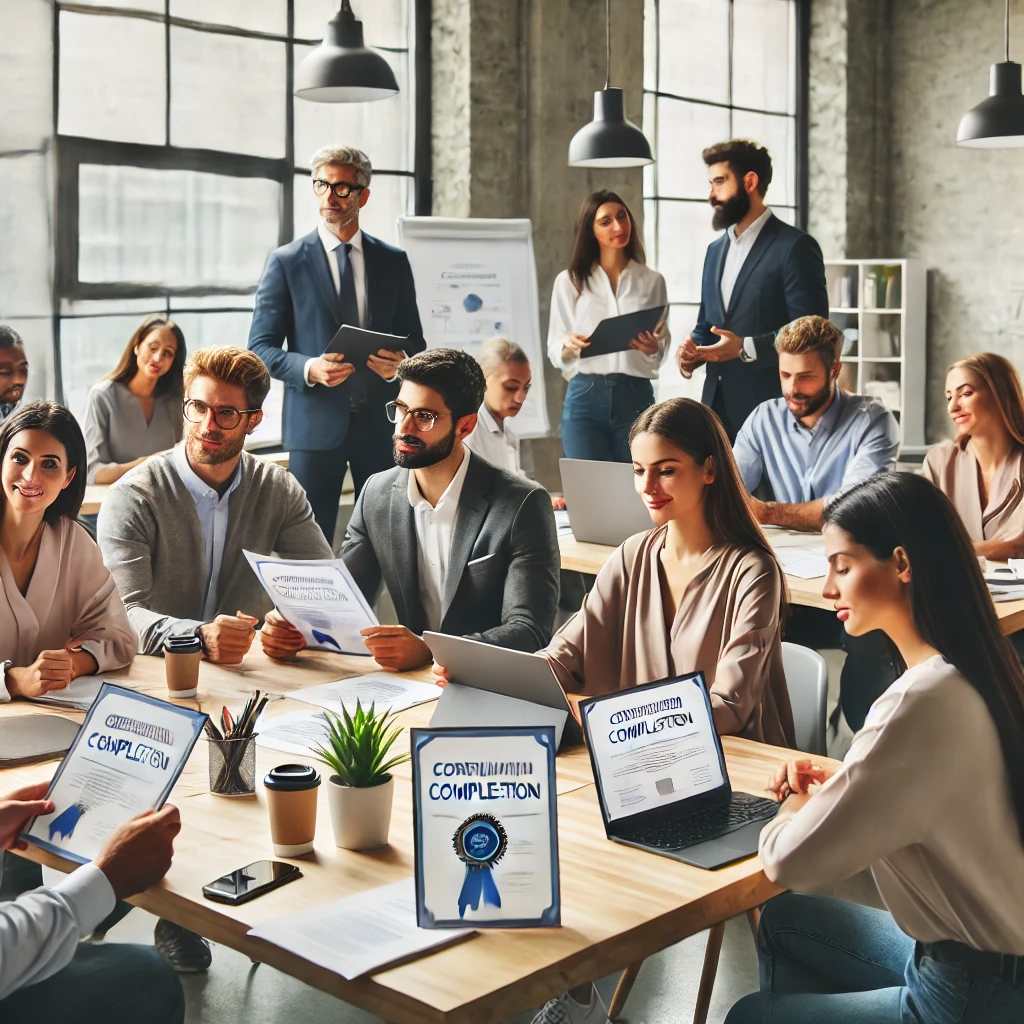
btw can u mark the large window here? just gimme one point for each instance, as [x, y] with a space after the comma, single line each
[714, 70]
[182, 159]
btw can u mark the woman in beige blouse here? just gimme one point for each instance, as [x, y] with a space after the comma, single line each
[930, 797]
[60, 613]
[982, 470]
[702, 591]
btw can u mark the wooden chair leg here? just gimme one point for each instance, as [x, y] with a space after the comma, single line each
[707, 975]
[754, 920]
[624, 987]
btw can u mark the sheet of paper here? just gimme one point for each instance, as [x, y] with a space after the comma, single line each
[804, 559]
[360, 933]
[383, 691]
[319, 598]
[124, 761]
[295, 732]
[562, 522]
[80, 694]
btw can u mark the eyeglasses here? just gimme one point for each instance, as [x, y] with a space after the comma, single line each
[341, 189]
[226, 417]
[424, 419]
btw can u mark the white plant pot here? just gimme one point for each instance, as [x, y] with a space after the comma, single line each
[361, 818]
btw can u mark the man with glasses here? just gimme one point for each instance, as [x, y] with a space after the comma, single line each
[333, 409]
[463, 547]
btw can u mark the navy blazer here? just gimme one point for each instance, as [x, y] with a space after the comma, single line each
[296, 302]
[782, 278]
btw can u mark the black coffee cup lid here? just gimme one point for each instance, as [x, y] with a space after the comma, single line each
[187, 644]
[290, 778]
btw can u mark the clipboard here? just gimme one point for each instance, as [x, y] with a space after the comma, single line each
[614, 333]
[357, 344]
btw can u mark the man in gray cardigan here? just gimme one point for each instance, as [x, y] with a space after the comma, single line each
[463, 547]
[172, 530]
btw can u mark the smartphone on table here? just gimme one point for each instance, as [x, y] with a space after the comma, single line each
[251, 881]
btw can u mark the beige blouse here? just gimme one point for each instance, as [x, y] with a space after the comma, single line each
[923, 799]
[726, 626]
[952, 467]
[71, 596]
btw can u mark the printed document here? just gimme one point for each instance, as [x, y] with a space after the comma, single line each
[384, 691]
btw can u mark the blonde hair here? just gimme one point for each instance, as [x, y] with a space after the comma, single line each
[231, 365]
[1000, 377]
[811, 334]
[496, 352]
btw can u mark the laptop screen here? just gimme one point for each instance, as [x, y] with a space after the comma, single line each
[653, 745]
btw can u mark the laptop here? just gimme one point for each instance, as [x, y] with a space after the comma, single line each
[661, 777]
[603, 506]
[491, 685]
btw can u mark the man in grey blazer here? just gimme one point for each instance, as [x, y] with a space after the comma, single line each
[463, 547]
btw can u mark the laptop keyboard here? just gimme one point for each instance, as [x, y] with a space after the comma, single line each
[704, 824]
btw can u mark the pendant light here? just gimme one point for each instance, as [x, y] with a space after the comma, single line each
[998, 122]
[341, 69]
[609, 140]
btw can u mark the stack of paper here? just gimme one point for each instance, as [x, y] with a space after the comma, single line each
[79, 695]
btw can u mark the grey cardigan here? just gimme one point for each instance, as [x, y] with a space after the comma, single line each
[152, 544]
[502, 581]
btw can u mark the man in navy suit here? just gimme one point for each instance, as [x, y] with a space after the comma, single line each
[760, 274]
[334, 414]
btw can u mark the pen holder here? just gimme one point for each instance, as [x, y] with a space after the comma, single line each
[233, 766]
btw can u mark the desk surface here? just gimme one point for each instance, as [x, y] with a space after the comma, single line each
[618, 904]
[581, 556]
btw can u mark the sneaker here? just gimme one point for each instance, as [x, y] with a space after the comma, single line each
[185, 951]
[566, 1010]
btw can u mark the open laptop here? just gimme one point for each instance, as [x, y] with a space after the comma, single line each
[661, 776]
[602, 503]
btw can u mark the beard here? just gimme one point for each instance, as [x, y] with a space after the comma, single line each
[198, 456]
[425, 454]
[810, 404]
[732, 211]
[338, 217]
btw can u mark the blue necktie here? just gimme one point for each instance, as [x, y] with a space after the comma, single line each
[350, 315]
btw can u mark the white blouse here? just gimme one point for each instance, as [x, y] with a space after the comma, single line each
[497, 443]
[572, 313]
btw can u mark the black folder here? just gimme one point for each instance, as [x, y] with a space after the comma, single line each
[616, 332]
[358, 344]
[26, 739]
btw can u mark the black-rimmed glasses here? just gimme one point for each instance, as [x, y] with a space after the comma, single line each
[424, 419]
[341, 189]
[226, 417]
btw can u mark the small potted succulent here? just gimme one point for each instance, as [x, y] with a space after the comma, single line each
[361, 789]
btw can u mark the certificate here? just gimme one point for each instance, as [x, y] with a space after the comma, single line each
[486, 829]
[125, 760]
[319, 598]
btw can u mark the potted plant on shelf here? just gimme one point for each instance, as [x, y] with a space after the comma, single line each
[361, 789]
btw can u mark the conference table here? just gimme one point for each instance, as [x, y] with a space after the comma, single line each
[619, 905]
[582, 556]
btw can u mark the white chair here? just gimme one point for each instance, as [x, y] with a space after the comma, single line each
[807, 678]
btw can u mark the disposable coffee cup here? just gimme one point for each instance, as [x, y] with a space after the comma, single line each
[291, 799]
[182, 655]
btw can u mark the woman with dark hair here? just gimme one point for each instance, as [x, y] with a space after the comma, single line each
[60, 613]
[982, 470]
[702, 591]
[930, 796]
[136, 411]
[607, 276]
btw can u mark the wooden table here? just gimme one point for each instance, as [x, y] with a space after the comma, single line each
[619, 904]
[582, 556]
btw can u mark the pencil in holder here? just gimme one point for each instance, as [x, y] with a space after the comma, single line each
[233, 765]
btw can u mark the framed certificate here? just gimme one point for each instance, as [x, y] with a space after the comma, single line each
[124, 761]
[486, 827]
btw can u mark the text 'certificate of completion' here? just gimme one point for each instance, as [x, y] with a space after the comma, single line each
[486, 833]
[125, 760]
[319, 598]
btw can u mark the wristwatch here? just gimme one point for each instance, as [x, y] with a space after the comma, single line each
[744, 356]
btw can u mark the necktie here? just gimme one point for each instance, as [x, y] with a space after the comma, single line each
[350, 315]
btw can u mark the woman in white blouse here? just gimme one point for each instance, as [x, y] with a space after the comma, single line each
[930, 796]
[607, 276]
[508, 376]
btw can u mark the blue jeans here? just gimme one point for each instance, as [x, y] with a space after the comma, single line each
[599, 410]
[827, 960]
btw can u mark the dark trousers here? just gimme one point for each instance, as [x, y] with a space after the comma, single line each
[718, 408]
[868, 671]
[367, 449]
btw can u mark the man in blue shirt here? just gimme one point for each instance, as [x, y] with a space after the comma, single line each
[808, 446]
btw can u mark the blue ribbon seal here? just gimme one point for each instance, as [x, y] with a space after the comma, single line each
[480, 842]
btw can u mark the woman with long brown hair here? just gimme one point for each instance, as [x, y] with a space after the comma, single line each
[607, 277]
[982, 470]
[701, 591]
[136, 411]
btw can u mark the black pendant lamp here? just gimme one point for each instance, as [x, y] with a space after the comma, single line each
[609, 140]
[998, 122]
[341, 69]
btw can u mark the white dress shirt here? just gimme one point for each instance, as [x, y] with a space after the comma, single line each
[41, 929]
[434, 528]
[496, 442]
[735, 257]
[212, 510]
[639, 288]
